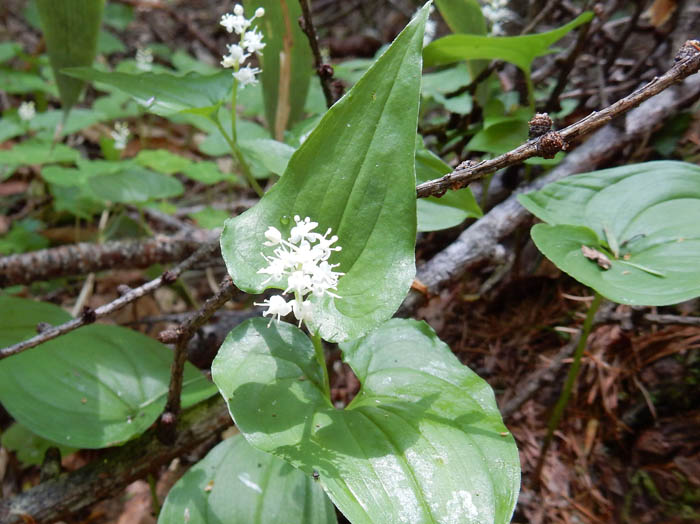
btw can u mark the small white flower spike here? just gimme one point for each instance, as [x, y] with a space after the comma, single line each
[26, 111]
[120, 135]
[301, 263]
[144, 59]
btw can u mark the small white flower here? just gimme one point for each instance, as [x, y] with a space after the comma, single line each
[259, 12]
[234, 23]
[273, 236]
[120, 135]
[303, 311]
[246, 75]
[144, 59]
[235, 57]
[26, 111]
[252, 41]
[276, 307]
[302, 230]
[238, 10]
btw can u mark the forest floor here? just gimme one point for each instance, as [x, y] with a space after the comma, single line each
[628, 448]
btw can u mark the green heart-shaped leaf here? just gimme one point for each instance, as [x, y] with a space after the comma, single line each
[238, 484]
[134, 185]
[644, 217]
[354, 174]
[94, 387]
[423, 441]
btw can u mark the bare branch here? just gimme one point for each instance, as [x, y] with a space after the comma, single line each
[90, 315]
[83, 258]
[323, 70]
[688, 63]
[167, 421]
[480, 243]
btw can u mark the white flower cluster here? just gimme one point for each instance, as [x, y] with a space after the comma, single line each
[301, 260]
[250, 42]
[496, 12]
[26, 111]
[120, 135]
[144, 59]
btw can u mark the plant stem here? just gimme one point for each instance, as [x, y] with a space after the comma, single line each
[568, 385]
[154, 494]
[321, 359]
[237, 152]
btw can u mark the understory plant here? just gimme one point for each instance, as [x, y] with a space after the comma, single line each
[329, 252]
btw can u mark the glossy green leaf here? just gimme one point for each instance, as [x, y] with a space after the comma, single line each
[94, 387]
[210, 218]
[422, 442]
[271, 154]
[134, 185]
[280, 25]
[29, 447]
[162, 93]
[207, 173]
[462, 16]
[23, 237]
[70, 29]
[518, 50]
[354, 174]
[34, 152]
[647, 214]
[163, 161]
[9, 50]
[18, 82]
[501, 137]
[453, 208]
[238, 484]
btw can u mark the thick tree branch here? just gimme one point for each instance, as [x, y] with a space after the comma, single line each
[182, 336]
[83, 258]
[90, 316]
[104, 477]
[688, 63]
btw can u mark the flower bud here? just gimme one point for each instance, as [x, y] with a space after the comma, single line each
[259, 12]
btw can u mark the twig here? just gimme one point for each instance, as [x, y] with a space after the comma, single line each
[69, 493]
[90, 315]
[567, 66]
[323, 70]
[480, 243]
[620, 43]
[688, 63]
[182, 336]
[79, 259]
